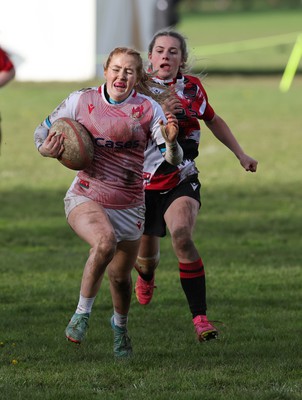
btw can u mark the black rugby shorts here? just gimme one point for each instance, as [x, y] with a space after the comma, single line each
[158, 202]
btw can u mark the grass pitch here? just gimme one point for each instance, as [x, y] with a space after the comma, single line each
[248, 233]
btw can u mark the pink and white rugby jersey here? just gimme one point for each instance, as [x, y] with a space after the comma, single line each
[120, 135]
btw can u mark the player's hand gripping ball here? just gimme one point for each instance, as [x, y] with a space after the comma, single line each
[78, 147]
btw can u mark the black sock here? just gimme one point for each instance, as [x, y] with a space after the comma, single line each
[193, 282]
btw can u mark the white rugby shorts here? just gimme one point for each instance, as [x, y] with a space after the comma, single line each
[128, 223]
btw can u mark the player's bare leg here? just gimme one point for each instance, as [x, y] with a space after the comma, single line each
[119, 271]
[91, 223]
[181, 218]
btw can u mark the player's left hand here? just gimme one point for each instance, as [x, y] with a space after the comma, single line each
[170, 130]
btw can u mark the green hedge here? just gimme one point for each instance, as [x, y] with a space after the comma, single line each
[237, 5]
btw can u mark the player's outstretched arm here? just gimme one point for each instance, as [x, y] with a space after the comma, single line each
[222, 132]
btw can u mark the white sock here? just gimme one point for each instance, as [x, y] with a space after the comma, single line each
[85, 305]
[120, 320]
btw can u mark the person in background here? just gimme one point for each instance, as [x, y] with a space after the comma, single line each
[166, 14]
[7, 73]
[105, 203]
[7, 69]
[173, 193]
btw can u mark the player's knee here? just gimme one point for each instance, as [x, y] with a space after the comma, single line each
[121, 283]
[182, 240]
[103, 250]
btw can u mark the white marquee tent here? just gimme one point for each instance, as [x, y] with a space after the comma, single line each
[67, 40]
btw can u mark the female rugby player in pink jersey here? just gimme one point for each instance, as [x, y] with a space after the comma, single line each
[105, 203]
[173, 193]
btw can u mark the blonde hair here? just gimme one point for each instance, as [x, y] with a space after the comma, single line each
[145, 83]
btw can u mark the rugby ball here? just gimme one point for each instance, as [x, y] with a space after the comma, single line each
[78, 147]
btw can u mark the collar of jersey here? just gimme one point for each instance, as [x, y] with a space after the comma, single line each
[168, 82]
[103, 89]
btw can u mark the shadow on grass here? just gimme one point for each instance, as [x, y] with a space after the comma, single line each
[233, 223]
[33, 220]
